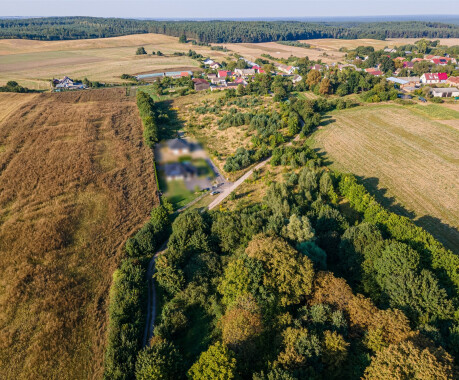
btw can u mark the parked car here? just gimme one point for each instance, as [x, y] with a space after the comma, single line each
[214, 193]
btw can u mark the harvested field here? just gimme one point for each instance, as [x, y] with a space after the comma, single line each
[255, 50]
[75, 182]
[34, 63]
[410, 162]
[334, 44]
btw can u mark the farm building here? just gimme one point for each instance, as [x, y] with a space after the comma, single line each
[445, 92]
[429, 78]
[179, 146]
[180, 171]
[208, 61]
[200, 84]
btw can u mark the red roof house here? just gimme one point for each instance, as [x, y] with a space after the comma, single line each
[434, 77]
[440, 61]
[442, 76]
[224, 73]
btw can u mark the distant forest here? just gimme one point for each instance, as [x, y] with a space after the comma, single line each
[70, 28]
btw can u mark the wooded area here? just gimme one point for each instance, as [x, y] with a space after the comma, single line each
[69, 28]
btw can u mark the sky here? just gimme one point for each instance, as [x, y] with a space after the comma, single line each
[217, 9]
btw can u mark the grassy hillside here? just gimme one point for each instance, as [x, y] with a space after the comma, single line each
[407, 156]
[75, 182]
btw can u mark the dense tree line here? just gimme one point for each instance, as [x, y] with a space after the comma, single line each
[247, 294]
[146, 107]
[12, 86]
[65, 28]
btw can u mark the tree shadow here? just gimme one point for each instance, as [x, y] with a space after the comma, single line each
[326, 120]
[168, 121]
[323, 156]
[444, 233]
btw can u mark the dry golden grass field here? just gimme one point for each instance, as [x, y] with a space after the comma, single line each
[255, 50]
[408, 157]
[75, 181]
[333, 44]
[34, 63]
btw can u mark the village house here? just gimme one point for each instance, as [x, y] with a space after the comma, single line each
[241, 81]
[68, 84]
[180, 171]
[408, 65]
[179, 146]
[200, 84]
[439, 61]
[453, 81]
[431, 78]
[376, 73]
[224, 73]
[244, 72]
[208, 61]
[211, 76]
[445, 92]
[215, 66]
[296, 79]
[317, 67]
[286, 69]
[219, 81]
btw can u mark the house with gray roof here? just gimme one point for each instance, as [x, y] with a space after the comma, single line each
[180, 171]
[179, 146]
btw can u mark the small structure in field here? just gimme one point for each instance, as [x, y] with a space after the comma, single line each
[179, 146]
[180, 171]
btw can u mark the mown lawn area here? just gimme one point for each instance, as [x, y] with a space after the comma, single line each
[176, 192]
[435, 111]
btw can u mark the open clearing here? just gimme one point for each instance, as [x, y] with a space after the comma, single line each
[34, 63]
[410, 162]
[75, 182]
